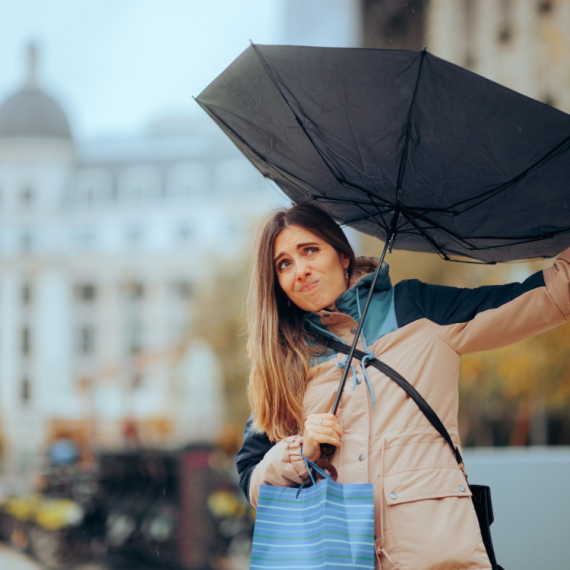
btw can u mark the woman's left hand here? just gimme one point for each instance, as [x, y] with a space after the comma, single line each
[320, 428]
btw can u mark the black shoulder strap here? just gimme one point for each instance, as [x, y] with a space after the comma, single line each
[426, 409]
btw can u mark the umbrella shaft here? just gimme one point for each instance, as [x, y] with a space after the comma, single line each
[387, 244]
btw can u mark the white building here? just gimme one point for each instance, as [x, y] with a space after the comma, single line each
[103, 247]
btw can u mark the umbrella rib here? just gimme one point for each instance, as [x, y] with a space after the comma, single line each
[403, 159]
[523, 239]
[458, 239]
[436, 226]
[353, 202]
[368, 216]
[481, 198]
[279, 170]
[514, 240]
[299, 122]
[375, 205]
[428, 238]
[292, 178]
[520, 241]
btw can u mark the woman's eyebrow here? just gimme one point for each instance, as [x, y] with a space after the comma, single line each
[299, 246]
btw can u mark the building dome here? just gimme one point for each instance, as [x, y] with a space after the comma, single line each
[30, 112]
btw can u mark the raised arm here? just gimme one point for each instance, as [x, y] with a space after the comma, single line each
[485, 318]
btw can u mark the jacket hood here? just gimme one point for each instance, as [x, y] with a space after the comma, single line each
[363, 273]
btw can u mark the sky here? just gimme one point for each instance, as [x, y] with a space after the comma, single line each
[117, 65]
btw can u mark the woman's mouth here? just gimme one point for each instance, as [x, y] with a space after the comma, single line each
[309, 287]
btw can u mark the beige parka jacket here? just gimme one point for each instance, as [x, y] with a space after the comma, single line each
[424, 517]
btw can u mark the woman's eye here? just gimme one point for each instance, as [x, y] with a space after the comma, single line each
[283, 265]
[311, 250]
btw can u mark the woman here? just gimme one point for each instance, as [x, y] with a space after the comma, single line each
[307, 282]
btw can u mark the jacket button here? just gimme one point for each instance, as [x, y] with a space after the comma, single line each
[353, 330]
[393, 495]
[362, 457]
[358, 379]
[461, 488]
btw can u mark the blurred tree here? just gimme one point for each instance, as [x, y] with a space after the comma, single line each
[220, 319]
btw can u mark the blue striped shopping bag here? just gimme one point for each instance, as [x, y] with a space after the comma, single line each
[326, 526]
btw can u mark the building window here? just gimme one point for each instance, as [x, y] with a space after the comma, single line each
[139, 183]
[136, 336]
[135, 290]
[506, 21]
[93, 185]
[87, 340]
[26, 240]
[183, 289]
[25, 391]
[25, 341]
[544, 7]
[235, 177]
[137, 380]
[87, 237]
[134, 235]
[549, 99]
[232, 229]
[187, 179]
[470, 21]
[184, 232]
[86, 292]
[26, 293]
[27, 196]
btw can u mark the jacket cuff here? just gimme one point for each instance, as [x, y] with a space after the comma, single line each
[294, 448]
[557, 279]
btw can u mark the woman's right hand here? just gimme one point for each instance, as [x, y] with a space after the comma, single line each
[320, 428]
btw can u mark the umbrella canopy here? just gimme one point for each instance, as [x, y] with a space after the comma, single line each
[402, 142]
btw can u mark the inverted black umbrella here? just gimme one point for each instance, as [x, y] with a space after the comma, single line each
[404, 146]
[391, 141]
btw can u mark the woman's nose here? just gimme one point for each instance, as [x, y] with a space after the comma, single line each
[302, 269]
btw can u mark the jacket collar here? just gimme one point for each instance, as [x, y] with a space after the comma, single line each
[359, 285]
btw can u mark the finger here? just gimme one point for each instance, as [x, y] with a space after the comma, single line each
[322, 419]
[317, 434]
[329, 428]
[322, 438]
[328, 420]
[316, 418]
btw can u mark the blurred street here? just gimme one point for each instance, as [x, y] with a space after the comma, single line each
[15, 561]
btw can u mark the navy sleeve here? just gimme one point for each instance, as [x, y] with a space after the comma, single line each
[449, 305]
[255, 446]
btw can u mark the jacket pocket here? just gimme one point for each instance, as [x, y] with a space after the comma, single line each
[433, 521]
[422, 484]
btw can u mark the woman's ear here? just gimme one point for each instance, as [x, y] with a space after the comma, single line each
[345, 260]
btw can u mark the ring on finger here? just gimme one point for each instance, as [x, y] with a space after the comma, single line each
[320, 421]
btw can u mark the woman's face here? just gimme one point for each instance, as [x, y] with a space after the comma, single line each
[310, 271]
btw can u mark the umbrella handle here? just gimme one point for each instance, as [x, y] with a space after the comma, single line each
[327, 449]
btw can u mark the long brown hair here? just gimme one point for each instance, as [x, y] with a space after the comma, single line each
[278, 343]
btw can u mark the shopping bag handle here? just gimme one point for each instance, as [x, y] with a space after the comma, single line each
[311, 465]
